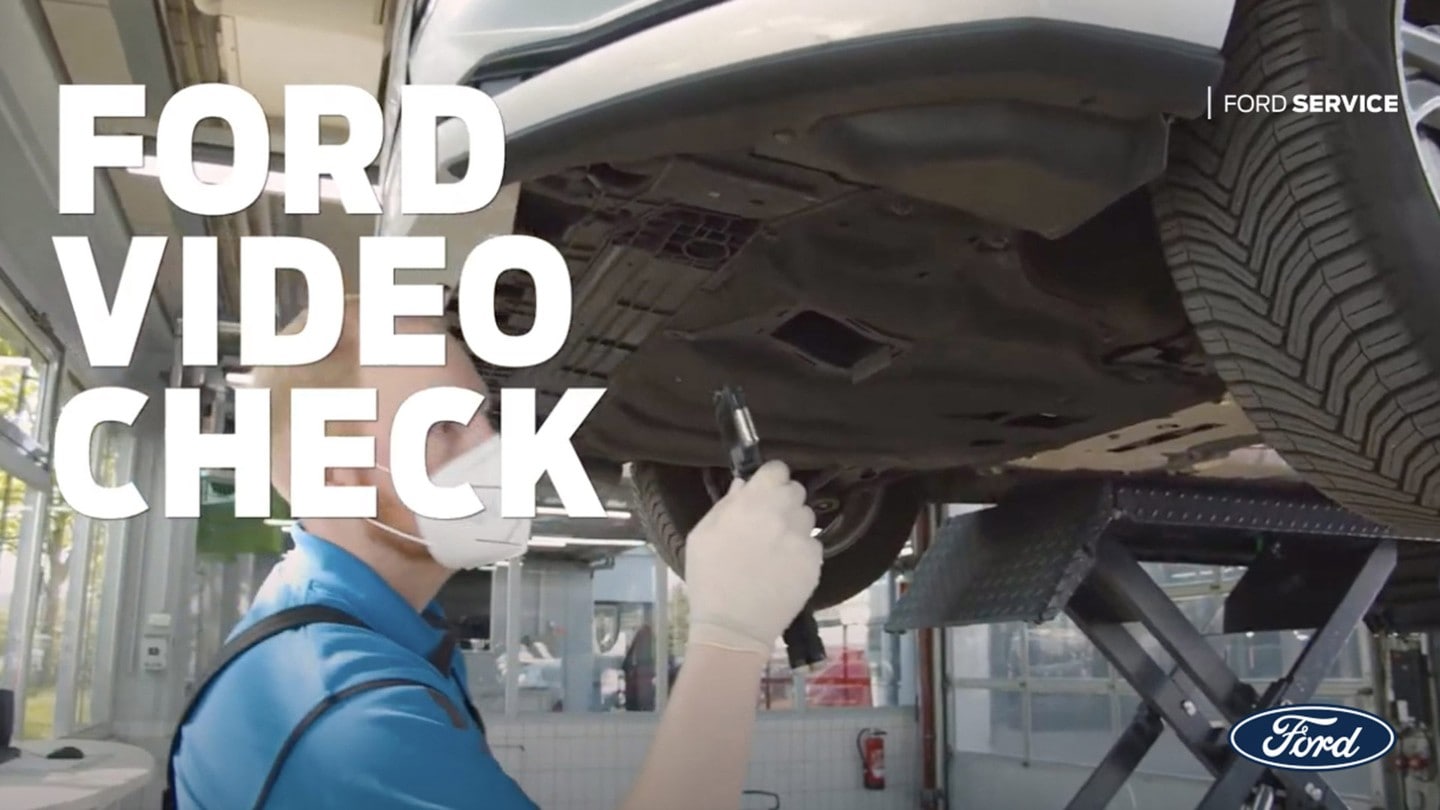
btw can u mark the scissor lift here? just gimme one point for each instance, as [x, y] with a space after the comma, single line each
[1077, 548]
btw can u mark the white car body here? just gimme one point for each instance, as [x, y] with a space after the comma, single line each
[451, 37]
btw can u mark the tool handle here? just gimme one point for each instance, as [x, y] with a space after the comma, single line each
[737, 430]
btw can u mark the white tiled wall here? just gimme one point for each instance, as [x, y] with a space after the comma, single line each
[586, 762]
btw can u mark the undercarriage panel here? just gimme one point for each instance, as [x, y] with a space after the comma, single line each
[867, 328]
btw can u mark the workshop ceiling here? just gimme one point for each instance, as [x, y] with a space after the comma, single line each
[260, 45]
[267, 54]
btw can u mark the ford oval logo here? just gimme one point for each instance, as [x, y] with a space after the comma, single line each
[1317, 737]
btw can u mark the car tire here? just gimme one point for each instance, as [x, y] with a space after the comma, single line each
[1306, 248]
[671, 500]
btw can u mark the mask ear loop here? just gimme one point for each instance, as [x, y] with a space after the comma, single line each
[387, 527]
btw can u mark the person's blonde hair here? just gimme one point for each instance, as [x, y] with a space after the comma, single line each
[339, 369]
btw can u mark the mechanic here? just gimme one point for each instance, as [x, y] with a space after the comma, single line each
[333, 715]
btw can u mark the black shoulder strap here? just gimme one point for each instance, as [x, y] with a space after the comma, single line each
[456, 719]
[271, 625]
[274, 624]
[442, 658]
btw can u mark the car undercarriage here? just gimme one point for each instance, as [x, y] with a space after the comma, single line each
[869, 329]
[945, 253]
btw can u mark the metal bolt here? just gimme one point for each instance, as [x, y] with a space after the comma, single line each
[1188, 706]
[1314, 792]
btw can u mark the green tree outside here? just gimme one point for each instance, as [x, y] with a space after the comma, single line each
[19, 404]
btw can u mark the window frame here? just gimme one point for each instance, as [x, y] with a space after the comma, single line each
[23, 316]
[34, 470]
[28, 459]
[16, 669]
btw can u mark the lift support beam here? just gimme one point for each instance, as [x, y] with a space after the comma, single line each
[1078, 547]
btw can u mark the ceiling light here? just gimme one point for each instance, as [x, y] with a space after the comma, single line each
[240, 378]
[550, 541]
[217, 173]
[559, 511]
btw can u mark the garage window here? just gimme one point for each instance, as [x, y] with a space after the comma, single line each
[27, 377]
[59, 571]
[20, 506]
[24, 369]
[73, 604]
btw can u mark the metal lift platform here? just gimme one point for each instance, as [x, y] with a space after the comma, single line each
[1078, 547]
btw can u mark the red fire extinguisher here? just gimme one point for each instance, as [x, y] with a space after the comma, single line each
[871, 744]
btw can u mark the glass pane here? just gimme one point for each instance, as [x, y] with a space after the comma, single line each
[586, 635]
[86, 713]
[1206, 613]
[987, 651]
[987, 721]
[51, 603]
[22, 379]
[623, 628]
[853, 649]
[627, 669]
[777, 684]
[107, 472]
[863, 667]
[1058, 649]
[1070, 728]
[1269, 654]
[50, 606]
[16, 515]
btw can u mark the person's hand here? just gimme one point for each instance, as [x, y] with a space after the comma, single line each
[751, 564]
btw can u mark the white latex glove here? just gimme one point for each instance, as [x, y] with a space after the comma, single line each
[751, 564]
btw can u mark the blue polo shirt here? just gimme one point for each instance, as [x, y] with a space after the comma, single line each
[395, 747]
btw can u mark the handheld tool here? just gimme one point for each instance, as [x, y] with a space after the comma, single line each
[737, 430]
[742, 443]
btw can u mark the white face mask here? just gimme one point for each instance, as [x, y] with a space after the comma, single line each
[481, 539]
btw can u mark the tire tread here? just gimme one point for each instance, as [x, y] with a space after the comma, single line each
[1291, 297]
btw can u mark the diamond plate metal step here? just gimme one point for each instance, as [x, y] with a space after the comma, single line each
[1023, 559]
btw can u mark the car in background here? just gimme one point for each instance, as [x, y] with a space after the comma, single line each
[952, 248]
